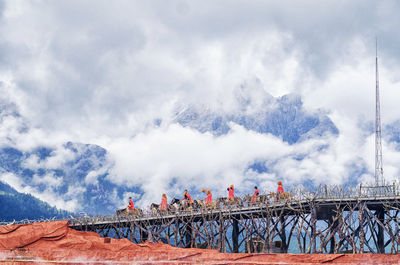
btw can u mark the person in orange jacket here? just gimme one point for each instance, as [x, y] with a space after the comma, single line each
[254, 197]
[231, 192]
[187, 197]
[209, 198]
[131, 207]
[279, 192]
[164, 202]
[280, 187]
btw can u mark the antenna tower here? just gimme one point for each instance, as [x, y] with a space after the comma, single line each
[378, 137]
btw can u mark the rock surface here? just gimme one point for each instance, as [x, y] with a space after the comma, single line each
[55, 242]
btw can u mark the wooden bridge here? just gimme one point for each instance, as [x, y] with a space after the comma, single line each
[329, 220]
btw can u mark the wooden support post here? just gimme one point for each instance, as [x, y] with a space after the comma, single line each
[235, 236]
[176, 230]
[313, 228]
[282, 235]
[143, 235]
[332, 231]
[221, 242]
[223, 236]
[127, 231]
[132, 228]
[188, 235]
[380, 236]
[361, 225]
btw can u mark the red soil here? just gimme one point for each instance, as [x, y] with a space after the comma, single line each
[55, 242]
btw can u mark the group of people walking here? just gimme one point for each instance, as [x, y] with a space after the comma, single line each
[208, 199]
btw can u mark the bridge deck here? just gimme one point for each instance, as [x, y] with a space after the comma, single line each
[323, 207]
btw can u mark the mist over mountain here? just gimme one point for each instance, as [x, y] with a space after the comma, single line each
[81, 178]
[283, 117]
[17, 206]
[80, 174]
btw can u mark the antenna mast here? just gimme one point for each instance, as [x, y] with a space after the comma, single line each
[378, 137]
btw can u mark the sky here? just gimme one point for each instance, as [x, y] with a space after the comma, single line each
[100, 72]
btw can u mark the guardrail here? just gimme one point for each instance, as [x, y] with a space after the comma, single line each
[324, 192]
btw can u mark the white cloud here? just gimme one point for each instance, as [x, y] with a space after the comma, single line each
[58, 158]
[191, 158]
[104, 76]
[48, 179]
[48, 195]
[55, 160]
[350, 90]
[91, 177]
[174, 158]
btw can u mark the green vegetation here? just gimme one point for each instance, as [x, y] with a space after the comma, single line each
[19, 206]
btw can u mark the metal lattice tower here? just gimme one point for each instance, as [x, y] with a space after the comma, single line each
[378, 136]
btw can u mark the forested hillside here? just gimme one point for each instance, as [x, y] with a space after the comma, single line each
[19, 206]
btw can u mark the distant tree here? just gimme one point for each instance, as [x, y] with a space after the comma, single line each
[19, 206]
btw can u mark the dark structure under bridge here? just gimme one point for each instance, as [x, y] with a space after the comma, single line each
[330, 220]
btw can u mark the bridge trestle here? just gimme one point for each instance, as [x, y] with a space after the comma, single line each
[340, 225]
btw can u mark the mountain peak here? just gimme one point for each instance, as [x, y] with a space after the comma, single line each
[283, 117]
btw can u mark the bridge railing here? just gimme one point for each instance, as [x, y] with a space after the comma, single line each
[379, 190]
[299, 194]
[348, 192]
[323, 192]
[29, 221]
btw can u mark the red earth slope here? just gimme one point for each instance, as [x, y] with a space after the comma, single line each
[56, 243]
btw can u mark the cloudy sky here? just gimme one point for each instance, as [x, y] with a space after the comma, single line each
[101, 72]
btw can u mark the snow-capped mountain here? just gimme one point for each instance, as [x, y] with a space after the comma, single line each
[283, 117]
[80, 174]
[81, 179]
